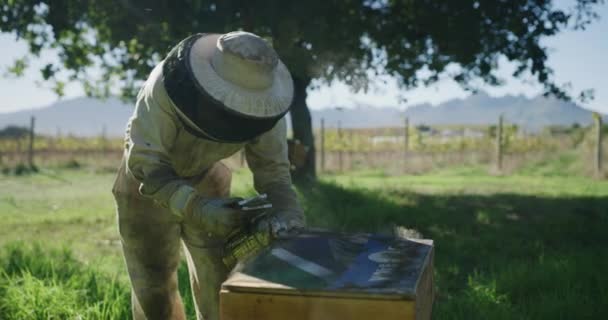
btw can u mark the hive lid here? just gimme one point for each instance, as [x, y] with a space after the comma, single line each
[331, 264]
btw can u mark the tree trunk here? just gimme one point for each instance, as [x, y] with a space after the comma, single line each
[30, 153]
[302, 131]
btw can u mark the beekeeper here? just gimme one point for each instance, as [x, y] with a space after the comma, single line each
[212, 96]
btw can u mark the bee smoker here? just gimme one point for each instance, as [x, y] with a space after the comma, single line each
[248, 240]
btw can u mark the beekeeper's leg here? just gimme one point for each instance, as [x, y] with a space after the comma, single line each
[150, 241]
[204, 252]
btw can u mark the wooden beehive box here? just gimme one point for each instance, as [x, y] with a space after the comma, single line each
[320, 275]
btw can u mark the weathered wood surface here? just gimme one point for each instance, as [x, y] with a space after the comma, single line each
[251, 306]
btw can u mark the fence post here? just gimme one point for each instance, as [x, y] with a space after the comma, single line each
[322, 145]
[406, 135]
[351, 144]
[30, 157]
[499, 146]
[598, 147]
[340, 146]
[104, 143]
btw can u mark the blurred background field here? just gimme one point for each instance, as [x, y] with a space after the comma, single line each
[526, 243]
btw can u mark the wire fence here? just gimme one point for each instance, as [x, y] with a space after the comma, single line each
[412, 148]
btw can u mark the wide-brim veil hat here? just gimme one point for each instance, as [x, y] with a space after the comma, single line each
[227, 87]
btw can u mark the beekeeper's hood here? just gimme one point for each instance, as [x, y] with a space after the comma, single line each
[227, 88]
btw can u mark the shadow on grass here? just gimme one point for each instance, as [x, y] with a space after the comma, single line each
[503, 256]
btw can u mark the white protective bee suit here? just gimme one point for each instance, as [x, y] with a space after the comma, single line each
[171, 186]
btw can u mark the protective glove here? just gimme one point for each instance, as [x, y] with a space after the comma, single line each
[216, 216]
[280, 225]
[219, 217]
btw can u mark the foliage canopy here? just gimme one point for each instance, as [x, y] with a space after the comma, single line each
[327, 40]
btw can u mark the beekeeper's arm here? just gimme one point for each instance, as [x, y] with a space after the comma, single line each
[267, 159]
[151, 136]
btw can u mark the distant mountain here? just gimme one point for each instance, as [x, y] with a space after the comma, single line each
[532, 113]
[359, 117]
[89, 117]
[79, 116]
[479, 109]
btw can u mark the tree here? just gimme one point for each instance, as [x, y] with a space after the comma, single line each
[14, 132]
[327, 40]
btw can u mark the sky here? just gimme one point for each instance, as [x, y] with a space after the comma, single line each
[577, 57]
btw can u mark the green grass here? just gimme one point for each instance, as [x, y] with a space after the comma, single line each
[70, 208]
[531, 245]
[36, 284]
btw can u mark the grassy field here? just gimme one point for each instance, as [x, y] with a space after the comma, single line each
[531, 245]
